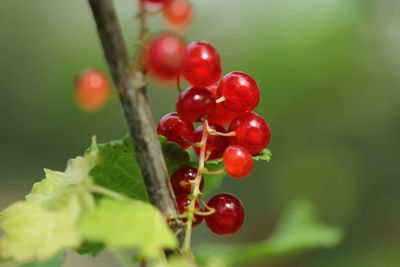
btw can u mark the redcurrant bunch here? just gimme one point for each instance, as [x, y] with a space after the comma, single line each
[215, 116]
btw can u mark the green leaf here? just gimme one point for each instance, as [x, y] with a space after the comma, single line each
[175, 156]
[34, 232]
[118, 170]
[128, 224]
[45, 223]
[266, 154]
[93, 249]
[176, 262]
[182, 261]
[298, 231]
[56, 261]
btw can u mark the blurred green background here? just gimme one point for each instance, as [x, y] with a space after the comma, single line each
[330, 77]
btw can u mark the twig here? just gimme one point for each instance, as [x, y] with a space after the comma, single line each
[131, 89]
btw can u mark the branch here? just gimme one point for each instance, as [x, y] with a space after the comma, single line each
[131, 89]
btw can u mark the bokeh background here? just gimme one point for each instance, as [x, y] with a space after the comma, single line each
[330, 77]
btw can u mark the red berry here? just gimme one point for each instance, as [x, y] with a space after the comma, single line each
[216, 144]
[178, 12]
[241, 92]
[165, 56]
[228, 216]
[155, 1]
[203, 65]
[238, 161]
[194, 103]
[181, 178]
[176, 130]
[183, 202]
[92, 90]
[252, 132]
[221, 115]
[153, 5]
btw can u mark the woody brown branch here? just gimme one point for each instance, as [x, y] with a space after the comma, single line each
[131, 87]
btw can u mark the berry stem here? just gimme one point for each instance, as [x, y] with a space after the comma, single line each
[220, 100]
[204, 203]
[196, 188]
[213, 132]
[178, 83]
[205, 213]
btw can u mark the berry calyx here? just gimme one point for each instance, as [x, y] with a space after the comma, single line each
[203, 65]
[238, 161]
[92, 90]
[252, 132]
[241, 92]
[172, 127]
[181, 179]
[183, 201]
[178, 12]
[195, 103]
[220, 115]
[228, 216]
[215, 145]
[165, 56]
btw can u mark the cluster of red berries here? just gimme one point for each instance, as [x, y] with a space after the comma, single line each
[93, 89]
[225, 106]
[228, 215]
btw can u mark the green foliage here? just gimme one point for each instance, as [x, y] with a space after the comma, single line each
[128, 224]
[176, 262]
[182, 261]
[266, 155]
[93, 249]
[61, 213]
[175, 156]
[45, 223]
[298, 231]
[56, 261]
[118, 170]
[34, 232]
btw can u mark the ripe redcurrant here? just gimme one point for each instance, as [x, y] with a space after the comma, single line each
[153, 5]
[203, 65]
[215, 145]
[241, 92]
[228, 216]
[238, 161]
[252, 132]
[183, 201]
[92, 90]
[155, 1]
[194, 103]
[220, 115]
[181, 178]
[178, 12]
[176, 130]
[165, 56]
